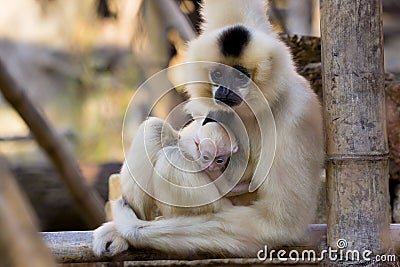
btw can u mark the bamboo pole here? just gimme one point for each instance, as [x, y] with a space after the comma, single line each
[86, 199]
[20, 244]
[355, 123]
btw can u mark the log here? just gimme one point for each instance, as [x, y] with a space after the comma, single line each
[73, 247]
[355, 123]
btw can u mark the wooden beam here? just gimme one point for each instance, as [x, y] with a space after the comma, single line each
[355, 123]
[73, 247]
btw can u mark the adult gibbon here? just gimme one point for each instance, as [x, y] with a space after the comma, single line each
[237, 33]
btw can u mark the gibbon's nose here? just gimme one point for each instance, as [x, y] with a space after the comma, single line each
[227, 96]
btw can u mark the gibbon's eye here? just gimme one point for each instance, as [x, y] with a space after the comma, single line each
[242, 70]
[216, 75]
[242, 75]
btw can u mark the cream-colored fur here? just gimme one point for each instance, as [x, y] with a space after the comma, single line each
[286, 201]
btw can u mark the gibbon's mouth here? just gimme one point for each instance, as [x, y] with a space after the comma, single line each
[231, 98]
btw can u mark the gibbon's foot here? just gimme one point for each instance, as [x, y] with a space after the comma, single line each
[107, 241]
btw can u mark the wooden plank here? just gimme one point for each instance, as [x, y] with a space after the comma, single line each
[71, 247]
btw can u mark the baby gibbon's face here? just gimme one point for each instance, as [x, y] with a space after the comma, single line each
[215, 146]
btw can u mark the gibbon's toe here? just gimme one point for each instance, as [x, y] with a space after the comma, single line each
[107, 241]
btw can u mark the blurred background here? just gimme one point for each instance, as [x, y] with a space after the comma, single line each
[81, 61]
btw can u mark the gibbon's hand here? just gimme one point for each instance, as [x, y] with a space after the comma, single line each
[107, 241]
[125, 219]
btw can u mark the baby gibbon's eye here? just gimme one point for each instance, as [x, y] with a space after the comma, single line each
[206, 158]
[220, 161]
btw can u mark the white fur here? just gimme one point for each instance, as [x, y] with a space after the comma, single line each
[285, 204]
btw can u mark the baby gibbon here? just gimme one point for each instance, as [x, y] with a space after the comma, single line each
[174, 173]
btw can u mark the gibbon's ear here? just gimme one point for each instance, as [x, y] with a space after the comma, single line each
[235, 148]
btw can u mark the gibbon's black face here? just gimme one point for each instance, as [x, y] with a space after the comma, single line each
[228, 84]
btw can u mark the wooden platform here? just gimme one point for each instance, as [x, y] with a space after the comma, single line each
[76, 247]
